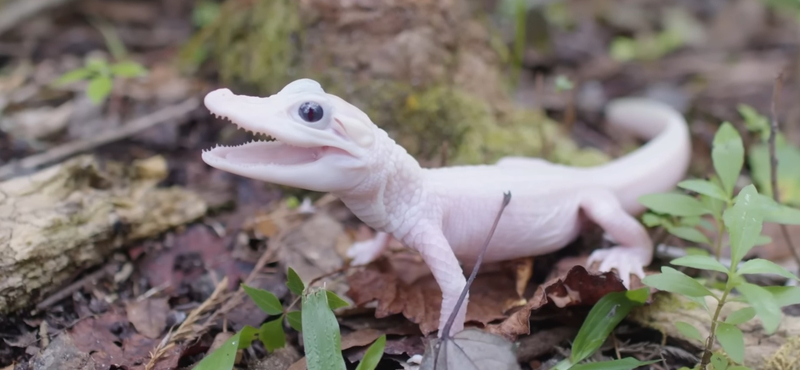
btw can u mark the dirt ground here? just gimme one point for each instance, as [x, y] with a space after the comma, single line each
[191, 234]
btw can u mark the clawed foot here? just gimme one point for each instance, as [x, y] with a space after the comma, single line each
[623, 259]
[366, 251]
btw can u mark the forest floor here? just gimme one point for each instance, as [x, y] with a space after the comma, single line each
[119, 313]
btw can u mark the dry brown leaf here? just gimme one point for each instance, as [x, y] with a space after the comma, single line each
[163, 268]
[578, 287]
[405, 285]
[149, 316]
[110, 343]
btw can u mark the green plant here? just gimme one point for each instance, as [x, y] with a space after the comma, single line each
[718, 211]
[100, 72]
[315, 320]
[758, 158]
[602, 319]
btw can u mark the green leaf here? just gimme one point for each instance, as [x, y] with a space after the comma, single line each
[762, 266]
[272, 334]
[373, 355]
[764, 303]
[754, 121]
[778, 213]
[744, 222]
[128, 68]
[294, 283]
[763, 240]
[689, 331]
[689, 233]
[295, 320]
[672, 280]
[334, 301]
[690, 251]
[563, 83]
[673, 204]
[97, 65]
[602, 319]
[732, 341]
[741, 316]
[99, 88]
[72, 76]
[246, 336]
[700, 262]
[224, 357]
[265, 300]
[719, 362]
[651, 219]
[785, 295]
[704, 187]
[323, 343]
[739, 367]
[626, 363]
[728, 156]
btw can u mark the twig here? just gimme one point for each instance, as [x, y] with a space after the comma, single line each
[69, 149]
[14, 13]
[773, 162]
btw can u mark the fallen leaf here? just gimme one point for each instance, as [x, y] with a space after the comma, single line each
[578, 287]
[109, 342]
[405, 285]
[149, 316]
[193, 253]
[470, 349]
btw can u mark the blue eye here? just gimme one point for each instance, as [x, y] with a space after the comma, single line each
[311, 111]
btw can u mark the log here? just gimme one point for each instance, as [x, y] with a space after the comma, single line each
[63, 219]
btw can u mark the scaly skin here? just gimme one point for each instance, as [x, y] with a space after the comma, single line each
[445, 213]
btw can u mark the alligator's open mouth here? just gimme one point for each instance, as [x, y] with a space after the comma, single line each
[263, 153]
[267, 151]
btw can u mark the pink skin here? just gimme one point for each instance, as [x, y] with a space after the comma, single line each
[445, 213]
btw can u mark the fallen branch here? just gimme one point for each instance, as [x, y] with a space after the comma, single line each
[66, 218]
[61, 152]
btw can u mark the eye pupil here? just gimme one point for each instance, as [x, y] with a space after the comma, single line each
[311, 111]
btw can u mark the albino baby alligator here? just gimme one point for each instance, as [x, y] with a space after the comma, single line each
[323, 143]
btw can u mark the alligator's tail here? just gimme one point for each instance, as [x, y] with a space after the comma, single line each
[655, 167]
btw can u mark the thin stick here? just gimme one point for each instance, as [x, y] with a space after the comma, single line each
[452, 318]
[69, 149]
[773, 162]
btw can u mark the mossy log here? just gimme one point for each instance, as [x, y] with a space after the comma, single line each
[428, 71]
[63, 219]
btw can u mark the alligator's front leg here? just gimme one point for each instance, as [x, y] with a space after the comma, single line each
[437, 254]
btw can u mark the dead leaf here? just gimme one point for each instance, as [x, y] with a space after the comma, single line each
[21, 341]
[149, 316]
[405, 285]
[470, 349]
[578, 287]
[110, 342]
[192, 254]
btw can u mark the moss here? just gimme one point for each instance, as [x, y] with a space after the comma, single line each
[256, 46]
[423, 120]
[251, 43]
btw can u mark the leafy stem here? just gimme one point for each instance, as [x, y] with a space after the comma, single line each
[712, 335]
